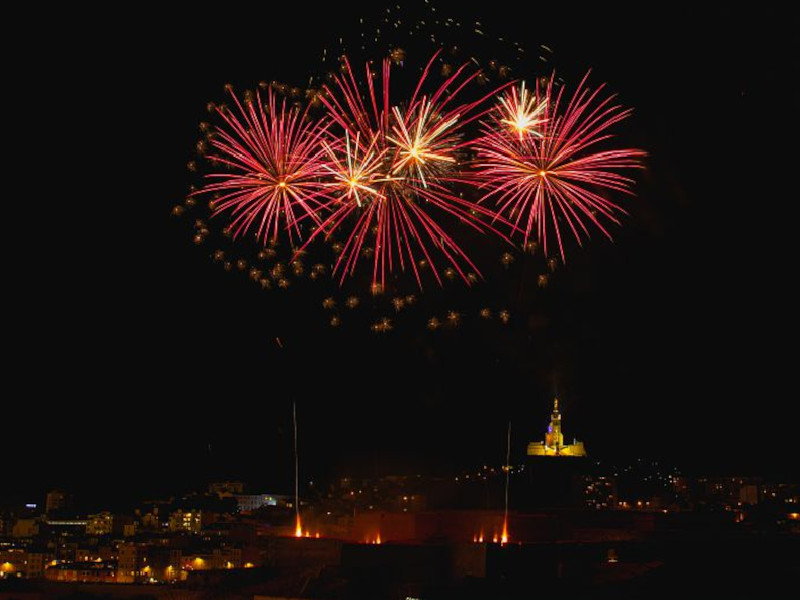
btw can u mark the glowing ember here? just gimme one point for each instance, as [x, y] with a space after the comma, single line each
[298, 528]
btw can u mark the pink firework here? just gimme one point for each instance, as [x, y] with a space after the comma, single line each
[275, 163]
[539, 162]
[391, 166]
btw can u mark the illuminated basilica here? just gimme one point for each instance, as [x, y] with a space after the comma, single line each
[553, 444]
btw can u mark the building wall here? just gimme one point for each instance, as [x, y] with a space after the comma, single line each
[25, 528]
[539, 449]
[191, 521]
[130, 563]
[226, 488]
[99, 524]
[82, 572]
[250, 502]
[55, 499]
[37, 562]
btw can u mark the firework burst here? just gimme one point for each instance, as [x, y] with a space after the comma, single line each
[537, 159]
[275, 162]
[521, 111]
[391, 166]
[424, 148]
[355, 169]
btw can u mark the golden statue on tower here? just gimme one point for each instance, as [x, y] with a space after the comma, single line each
[553, 444]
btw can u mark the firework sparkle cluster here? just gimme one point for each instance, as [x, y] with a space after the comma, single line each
[412, 182]
[377, 170]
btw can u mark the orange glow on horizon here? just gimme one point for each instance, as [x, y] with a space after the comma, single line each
[504, 536]
[298, 528]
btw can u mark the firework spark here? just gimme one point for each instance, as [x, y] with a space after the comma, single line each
[426, 146]
[556, 174]
[391, 166]
[521, 111]
[275, 163]
[354, 173]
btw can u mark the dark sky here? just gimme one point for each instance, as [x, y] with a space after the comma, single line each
[133, 364]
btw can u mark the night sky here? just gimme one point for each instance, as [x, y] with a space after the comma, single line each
[135, 366]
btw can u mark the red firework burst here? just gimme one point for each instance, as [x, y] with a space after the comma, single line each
[391, 166]
[540, 163]
[275, 163]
